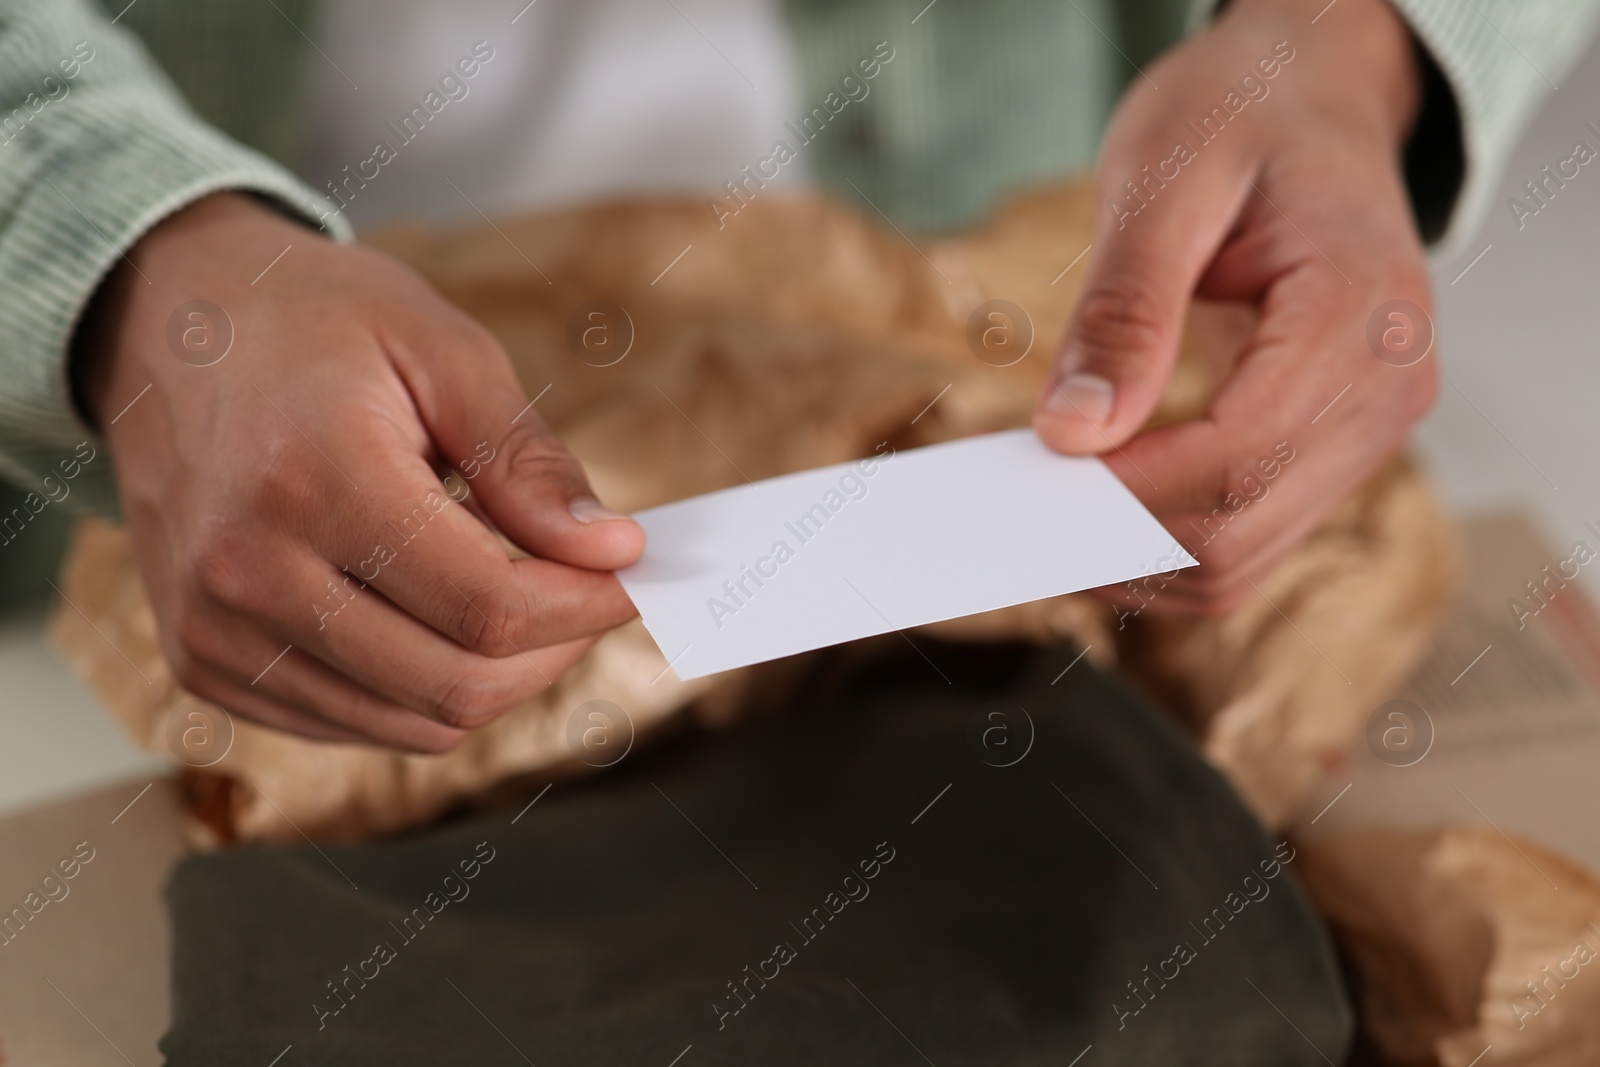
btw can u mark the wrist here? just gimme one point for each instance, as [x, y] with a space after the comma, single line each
[1371, 74]
[195, 246]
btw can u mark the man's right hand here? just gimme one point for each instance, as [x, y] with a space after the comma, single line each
[285, 497]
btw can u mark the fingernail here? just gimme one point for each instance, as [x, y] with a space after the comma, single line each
[587, 509]
[1086, 396]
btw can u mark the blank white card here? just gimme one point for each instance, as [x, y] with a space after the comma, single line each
[806, 560]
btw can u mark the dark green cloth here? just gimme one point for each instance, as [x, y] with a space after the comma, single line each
[1015, 906]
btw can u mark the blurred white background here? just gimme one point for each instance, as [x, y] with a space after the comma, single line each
[1517, 337]
[1515, 426]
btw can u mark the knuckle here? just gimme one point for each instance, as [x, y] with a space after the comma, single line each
[221, 571]
[522, 619]
[536, 454]
[285, 484]
[1120, 315]
[1212, 494]
[1240, 483]
[468, 701]
[484, 624]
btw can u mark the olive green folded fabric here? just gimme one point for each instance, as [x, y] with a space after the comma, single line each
[888, 869]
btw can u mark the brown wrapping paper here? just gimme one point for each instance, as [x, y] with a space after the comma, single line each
[1474, 948]
[799, 335]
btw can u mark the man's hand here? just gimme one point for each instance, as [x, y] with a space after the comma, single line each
[1291, 199]
[285, 496]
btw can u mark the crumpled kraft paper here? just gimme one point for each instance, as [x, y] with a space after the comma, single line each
[803, 334]
[1466, 941]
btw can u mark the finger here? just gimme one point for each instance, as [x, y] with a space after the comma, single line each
[216, 650]
[1236, 555]
[530, 485]
[1272, 522]
[1166, 594]
[379, 646]
[294, 679]
[1304, 383]
[1230, 499]
[1237, 543]
[1122, 339]
[302, 601]
[1240, 501]
[440, 564]
[244, 702]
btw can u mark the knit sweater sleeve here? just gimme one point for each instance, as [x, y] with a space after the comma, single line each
[1499, 60]
[96, 147]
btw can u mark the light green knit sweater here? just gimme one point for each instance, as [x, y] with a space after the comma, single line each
[97, 143]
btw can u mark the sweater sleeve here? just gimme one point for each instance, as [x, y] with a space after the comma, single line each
[1499, 60]
[1488, 66]
[96, 147]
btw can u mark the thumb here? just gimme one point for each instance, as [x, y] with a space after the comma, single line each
[537, 493]
[519, 471]
[1122, 340]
